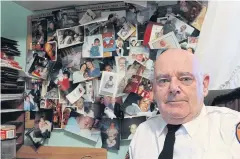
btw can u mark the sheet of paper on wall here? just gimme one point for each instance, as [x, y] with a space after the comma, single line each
[87, 17]
[76, 94]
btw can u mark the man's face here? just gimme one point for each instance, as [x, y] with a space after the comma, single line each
[179, 88]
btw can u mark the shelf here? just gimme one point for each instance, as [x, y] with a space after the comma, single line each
[21, 71]
[11, 110]
[6, 97]
[16, 123]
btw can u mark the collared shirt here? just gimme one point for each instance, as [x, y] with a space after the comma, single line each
[210, 135]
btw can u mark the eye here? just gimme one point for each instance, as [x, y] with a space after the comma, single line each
[162, 80]
[186, 80]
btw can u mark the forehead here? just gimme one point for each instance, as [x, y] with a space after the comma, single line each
[169, 64]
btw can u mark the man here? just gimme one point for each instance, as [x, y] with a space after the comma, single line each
[201, 132]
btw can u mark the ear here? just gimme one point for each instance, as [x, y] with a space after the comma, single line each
[206, 80]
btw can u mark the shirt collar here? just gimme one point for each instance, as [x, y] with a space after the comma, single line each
[191, 127]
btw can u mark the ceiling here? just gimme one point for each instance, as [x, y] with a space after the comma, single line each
[45, 5]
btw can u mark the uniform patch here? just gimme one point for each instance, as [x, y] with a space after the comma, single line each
[238, 132]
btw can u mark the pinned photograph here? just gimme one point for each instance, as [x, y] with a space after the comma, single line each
[36, 142]
[76, 94]
[126, 30]
[57, 115]
[135, 105]
[93, 46]
[133, 84]
[63, 81]
[70, 36]
[108, 42]
[69, 18]
[168, 41]
[197, 23]
[190, 9]
[49, 104]
[145, 89]
[83, 124]
[50, 49]
[81, 75]
[32, 98]
[122, 48]
[156, 32]
[71, 56]
[39, 67]
[51, 29]
[93, 69]
[181, 29]
[129, 127]
[43, 124]
[39, 31]
[133, 42]
[87, 17]
[52, 94]
[110, 133]
[121, 64]
[138, 53]
[108, 84]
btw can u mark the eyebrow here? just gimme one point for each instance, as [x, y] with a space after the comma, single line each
[178, 74]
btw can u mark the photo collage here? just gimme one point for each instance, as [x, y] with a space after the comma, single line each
[92, 67]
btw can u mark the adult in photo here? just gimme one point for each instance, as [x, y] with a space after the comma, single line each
[92, 70]
[142, 105]
[185, 127]
[132, 129]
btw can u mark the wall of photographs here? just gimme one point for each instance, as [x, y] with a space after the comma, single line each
[91, 68]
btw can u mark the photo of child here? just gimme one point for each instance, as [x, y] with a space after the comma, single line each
[126, 30]
[93, 47]
[108, 84]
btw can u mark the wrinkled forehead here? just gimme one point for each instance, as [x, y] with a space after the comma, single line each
[171, 65]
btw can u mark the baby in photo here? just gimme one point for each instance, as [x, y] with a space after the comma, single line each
[93, 47]
[94, 51]
[126, 30]
[108, 84]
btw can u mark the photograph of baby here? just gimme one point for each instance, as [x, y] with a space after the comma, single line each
[71, 56]
[70, 36]
[126, 30]
[83, 124]
[39, 31]
[135, 105]
[93, 46]
[88, 16]
[43, 123]
[133, 84]
[168, 41]
[138, 53]
[121, 64]
[108, 84]
[50, 49]
[110, 133]
[129, 127]
[109, 44]
[76, 94]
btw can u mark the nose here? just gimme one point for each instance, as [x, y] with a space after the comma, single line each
[174, 88]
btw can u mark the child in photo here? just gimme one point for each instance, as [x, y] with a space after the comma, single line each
[64, 82]
[94, 51]
[109, 83]
[92, 70]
